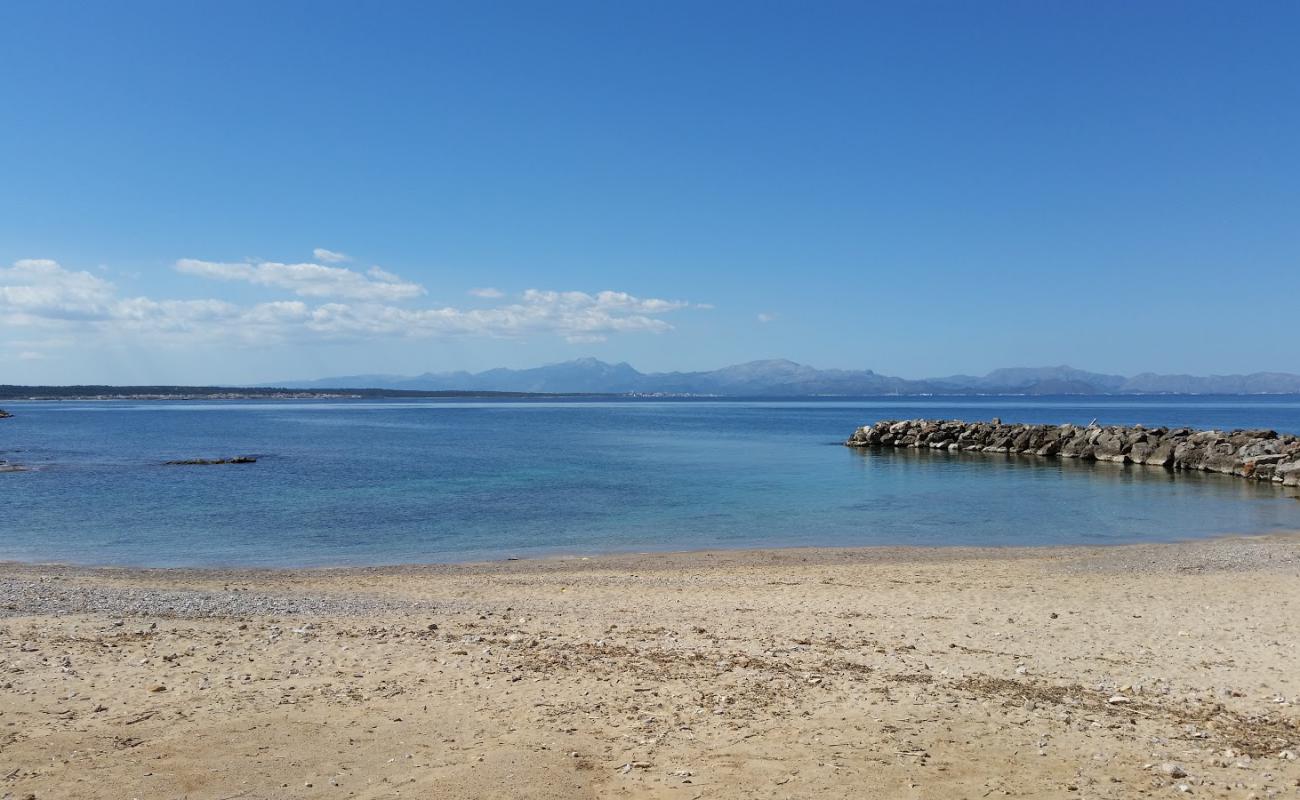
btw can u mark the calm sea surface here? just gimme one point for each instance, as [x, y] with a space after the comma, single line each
[343, 483]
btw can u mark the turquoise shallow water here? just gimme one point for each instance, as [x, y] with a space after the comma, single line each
[352, 483]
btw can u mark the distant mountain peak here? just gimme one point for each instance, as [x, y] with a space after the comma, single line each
[783, 377]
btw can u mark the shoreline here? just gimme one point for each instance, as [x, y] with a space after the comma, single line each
[643, 559]
[1105, 672]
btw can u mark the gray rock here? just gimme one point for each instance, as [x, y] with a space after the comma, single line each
[1173, 770]
[1263, 455]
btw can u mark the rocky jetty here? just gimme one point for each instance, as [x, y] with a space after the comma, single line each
[1262, 455]
[205, 462]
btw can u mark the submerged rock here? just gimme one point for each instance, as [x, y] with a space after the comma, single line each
[1262, 455]
[4, 414]
[203, 462]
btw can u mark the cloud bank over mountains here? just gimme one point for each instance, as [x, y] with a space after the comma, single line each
[51, 304]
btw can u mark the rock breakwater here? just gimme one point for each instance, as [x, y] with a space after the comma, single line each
[1262, 455]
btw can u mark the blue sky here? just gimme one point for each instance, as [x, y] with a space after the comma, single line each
[918, 188]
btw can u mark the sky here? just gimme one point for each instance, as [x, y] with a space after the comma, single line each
[245, 192]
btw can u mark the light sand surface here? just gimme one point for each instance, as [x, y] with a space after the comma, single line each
[888, 673]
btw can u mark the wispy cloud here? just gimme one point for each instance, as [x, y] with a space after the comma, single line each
[336, 304]
[330, 256]
[766, 317]
[487, 292]
[308, 280]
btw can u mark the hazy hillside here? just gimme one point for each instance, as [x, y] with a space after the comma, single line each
[780, 377]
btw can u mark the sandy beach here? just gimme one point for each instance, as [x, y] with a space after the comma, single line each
[1117, 672]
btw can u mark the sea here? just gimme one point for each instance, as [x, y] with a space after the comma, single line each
[365, 482]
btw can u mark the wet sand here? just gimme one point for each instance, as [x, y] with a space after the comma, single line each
[1152, 670]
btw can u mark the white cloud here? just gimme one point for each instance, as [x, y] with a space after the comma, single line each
[487, 292]
[42, 289]
[308, 280]
[576, 316]
[43, 295]
[330, 256]
[766, 317]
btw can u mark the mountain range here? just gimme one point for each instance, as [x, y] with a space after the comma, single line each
[781, 378]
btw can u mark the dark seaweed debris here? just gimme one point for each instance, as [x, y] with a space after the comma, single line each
[203, 462]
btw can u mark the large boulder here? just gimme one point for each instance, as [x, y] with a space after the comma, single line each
[1110, 445]
[1288, 474]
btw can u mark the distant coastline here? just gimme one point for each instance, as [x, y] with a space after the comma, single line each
[86, 393]
[783, 378]
[770, 379]
[218, 393]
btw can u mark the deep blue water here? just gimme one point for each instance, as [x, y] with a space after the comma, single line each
[392, 482]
